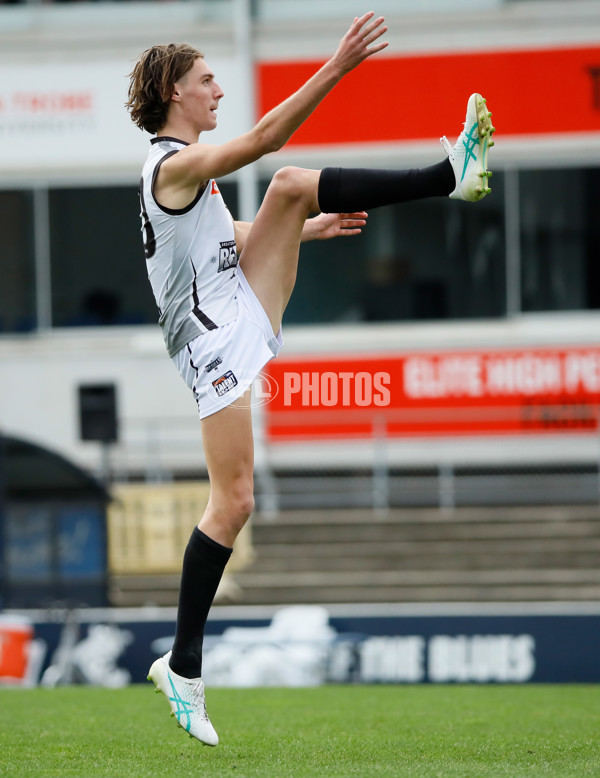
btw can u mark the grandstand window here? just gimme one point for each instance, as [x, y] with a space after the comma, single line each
[17, 263]
[426, 260]
[560, 234]
[97, 259]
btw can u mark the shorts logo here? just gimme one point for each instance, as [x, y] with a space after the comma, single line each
[228, 257]
[213, 365]
[224, 383]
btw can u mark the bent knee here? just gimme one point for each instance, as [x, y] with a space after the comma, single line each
[294, 183]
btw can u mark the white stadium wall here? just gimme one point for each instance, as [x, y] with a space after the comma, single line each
[62, 88]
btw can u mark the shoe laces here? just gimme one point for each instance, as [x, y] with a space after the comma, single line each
[447, 145]
[199, 701]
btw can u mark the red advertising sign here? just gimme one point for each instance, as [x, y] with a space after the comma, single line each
[509, 392]
[415, 97]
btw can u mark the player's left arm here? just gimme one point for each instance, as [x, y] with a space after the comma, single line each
[334, 225]
[321, 227]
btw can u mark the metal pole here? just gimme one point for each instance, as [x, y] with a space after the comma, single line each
[266, 482]
[381, 476]
[3, 571]
[598, 439]
[268, 500]
[446, 487]
[41, 237]
[247, 176]
[513, 243]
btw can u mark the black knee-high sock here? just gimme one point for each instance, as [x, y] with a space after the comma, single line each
[203, 564]
[345, 190]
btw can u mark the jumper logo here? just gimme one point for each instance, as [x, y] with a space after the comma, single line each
[469, 145]
[214, 188]
[343, 389]
[228, 257]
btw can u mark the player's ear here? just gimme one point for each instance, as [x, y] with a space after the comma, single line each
[176, 95]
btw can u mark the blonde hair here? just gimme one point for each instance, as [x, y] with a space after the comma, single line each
[152, 80]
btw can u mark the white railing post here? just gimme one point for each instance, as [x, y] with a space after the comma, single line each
[446, 487]
[267, 496]
[381, 475]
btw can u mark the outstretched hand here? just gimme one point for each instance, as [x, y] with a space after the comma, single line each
[334, 225]
[355, 47]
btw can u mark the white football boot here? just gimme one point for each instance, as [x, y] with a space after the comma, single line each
[186, 698]
[468, 156]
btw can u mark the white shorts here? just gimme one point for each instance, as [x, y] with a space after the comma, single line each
[221, 364]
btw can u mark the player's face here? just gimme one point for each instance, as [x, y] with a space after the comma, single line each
[200, 94]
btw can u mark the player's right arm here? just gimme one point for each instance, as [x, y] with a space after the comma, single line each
[200, 162]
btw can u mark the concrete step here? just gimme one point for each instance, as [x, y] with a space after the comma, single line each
[392, 594]
[391, 533]
[430, 515]
[425, 561]
[336, 586]
[424, 555]
[435, 548]
[430, 577]
[277, 592]
[464, 554]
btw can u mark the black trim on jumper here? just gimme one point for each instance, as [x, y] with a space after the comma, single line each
[199, 314]
[173, 211]
[147, 229]
[161, 138]
[193, 366]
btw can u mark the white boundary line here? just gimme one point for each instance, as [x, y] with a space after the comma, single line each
[336, 610]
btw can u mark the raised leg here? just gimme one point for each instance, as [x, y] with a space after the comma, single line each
[270, 257]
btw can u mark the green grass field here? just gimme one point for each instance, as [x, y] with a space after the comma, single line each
[329, 731]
